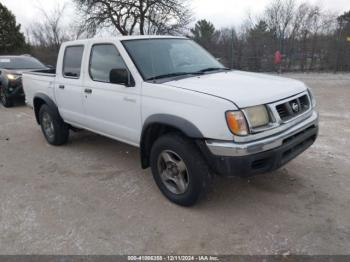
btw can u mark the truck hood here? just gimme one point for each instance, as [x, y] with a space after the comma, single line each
[242, 88]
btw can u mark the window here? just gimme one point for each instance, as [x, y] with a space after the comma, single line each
[105, 58]
[164, 57]
[73, 57]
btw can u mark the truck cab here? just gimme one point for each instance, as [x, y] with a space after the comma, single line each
[190, 116]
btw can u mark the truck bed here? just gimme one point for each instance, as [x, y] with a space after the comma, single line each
[40, 81]
[46, 72]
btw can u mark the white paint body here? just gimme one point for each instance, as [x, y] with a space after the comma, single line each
[120, 112]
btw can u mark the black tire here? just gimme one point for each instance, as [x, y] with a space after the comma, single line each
[5, 101]
[59, 130]
[198, 176]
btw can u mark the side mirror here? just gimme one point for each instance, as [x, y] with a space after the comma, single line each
[121, 76]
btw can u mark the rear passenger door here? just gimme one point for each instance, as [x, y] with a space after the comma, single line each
[112, 109]
[69, 84]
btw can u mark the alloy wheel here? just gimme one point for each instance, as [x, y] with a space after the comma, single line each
[48, 126]
[173, 172]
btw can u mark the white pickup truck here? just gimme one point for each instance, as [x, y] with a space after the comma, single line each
[189, 115]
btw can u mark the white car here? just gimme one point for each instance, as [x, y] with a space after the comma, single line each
[189, 115]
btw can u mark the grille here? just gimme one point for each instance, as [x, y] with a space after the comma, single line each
[304, 102]
[293, 108]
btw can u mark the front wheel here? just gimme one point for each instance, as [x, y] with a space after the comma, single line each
[5, 100]
[54, 129]
[179, 169]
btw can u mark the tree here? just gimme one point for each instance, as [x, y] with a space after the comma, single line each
[130, 17]
[11, 38]
[260, 46]
[46, 35]
[50, 31]
[279, 17]
[344, 24]
[228, 47]
[204, 33]
[342, 46]
[345, 18]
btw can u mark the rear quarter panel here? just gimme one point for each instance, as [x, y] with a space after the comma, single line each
[34, 84]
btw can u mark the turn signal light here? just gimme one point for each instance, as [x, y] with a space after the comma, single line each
[237, 123]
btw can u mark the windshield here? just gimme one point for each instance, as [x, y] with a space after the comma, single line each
[162, 58]
[20, 63]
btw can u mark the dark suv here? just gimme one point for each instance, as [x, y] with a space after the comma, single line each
[11, 69]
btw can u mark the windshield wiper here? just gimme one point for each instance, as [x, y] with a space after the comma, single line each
[174, 75]
[209, 69]
[201, 72]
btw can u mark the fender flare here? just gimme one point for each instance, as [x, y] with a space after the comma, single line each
[181, 124]
[46, 100]
[185, 126]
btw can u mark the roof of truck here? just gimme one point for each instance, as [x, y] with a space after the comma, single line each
[124, 38]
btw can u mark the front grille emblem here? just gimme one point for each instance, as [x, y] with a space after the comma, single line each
[295, 107]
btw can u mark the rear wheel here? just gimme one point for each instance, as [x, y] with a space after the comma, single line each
[179, 169]
[5, 100]
[54, 129]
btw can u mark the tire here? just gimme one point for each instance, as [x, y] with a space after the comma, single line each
[174, 148]
[5, 101]
[54, 129]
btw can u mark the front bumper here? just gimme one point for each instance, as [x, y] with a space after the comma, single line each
[246, 159]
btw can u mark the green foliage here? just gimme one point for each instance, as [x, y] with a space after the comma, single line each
[260, 44]
[342, 45]
[260, 30]
[204, 33]
[344, 24]
[345, 18]
[11, 38]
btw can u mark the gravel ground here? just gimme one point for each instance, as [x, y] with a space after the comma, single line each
[91, 196]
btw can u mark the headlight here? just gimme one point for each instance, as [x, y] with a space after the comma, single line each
[313, 101]
[257, 116]
[237, 123]
[13, 76]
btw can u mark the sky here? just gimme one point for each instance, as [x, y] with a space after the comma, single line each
[221, 13]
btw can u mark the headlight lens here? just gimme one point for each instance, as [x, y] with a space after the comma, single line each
[13, 76]
[257, 116]
[237, 123]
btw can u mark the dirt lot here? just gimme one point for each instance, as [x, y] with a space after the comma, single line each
[91, 196]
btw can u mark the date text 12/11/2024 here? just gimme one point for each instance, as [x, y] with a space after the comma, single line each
[173, 258]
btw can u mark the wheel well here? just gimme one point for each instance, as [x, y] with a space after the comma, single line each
[38, 102]
[149, 136]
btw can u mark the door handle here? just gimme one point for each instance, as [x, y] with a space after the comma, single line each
[61, 86]
[88, 91]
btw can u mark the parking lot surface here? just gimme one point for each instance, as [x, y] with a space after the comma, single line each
[92, 197]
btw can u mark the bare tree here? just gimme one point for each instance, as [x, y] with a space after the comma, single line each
[130, 17]
[50, 31]
[79, 30]
[52, 28]
[279, 17]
